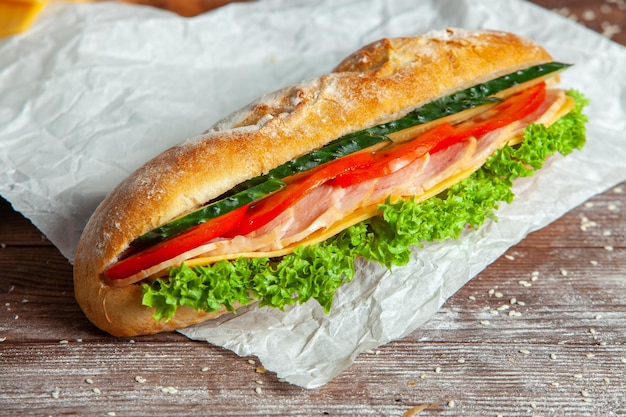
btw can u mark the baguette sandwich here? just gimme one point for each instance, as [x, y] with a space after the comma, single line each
[408, 140]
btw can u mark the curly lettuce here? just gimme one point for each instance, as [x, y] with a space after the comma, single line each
[317, 271]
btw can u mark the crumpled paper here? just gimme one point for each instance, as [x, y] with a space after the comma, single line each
[94, 90]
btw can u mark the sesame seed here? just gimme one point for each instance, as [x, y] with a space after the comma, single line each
[623, 360]
[499, 295]
[552, 356]
[471, 297]
[598, 316]
[258, 390]
[89, 381]
[485, 322]
[140, 379]
[587, 400]
[96, 390]
[437, 370]
[594, 263]
[2, 339]
[555, 384]
[612, 207]
[584, 393]
[205, 369]
[504, 307]
[513, 300]
[63, 342]
[608, 248]
[251, 362]
[509, 257]
[563, 272]
[451, 403]
[169, 390]
[491, 292]
[55, 394]
[461, 360]
[423, 376]
[524, 351]
[577, 376]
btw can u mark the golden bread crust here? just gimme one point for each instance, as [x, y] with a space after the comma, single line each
[378, 83]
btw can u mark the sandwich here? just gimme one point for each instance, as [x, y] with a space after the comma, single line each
[407, 141]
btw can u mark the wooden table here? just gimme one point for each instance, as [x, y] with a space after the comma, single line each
[541, 332]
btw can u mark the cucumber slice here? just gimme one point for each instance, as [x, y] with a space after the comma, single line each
[210, 211]
[261, 186]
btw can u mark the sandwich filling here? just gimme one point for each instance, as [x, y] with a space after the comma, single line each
[295, 233]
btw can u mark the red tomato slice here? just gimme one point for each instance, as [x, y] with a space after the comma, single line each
[510, 110]
[176, 245]
[269, 208]
[401, 154]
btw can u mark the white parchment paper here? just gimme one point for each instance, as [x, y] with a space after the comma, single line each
[94, 90]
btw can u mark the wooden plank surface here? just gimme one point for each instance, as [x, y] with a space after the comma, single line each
[540, 332]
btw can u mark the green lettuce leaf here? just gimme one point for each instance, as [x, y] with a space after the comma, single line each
[317, 271]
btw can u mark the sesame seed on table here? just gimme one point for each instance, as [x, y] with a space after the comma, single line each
[540, 332]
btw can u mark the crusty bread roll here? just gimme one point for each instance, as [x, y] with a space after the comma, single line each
[379, 83]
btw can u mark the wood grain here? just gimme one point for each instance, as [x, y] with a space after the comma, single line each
[540, 332]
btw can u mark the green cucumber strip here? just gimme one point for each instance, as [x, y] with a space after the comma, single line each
[345, 145]
[210, 211]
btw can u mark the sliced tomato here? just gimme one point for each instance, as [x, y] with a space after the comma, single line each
[510, 110]
[269, 208]
[176, 245]
[398, 155]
